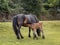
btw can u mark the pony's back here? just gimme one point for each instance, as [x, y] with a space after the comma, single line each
[31, 18]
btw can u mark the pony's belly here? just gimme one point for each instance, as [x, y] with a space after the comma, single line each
[25, 25]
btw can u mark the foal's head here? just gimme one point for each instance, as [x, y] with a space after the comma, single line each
[25, 21]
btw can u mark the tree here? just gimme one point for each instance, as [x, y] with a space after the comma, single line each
[31, 6]
[5, 8]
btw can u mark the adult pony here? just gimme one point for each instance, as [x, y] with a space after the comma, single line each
[18, 21]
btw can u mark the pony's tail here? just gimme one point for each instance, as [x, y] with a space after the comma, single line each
[14, 27]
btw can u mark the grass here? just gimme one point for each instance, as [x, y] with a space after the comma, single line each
[51, 31]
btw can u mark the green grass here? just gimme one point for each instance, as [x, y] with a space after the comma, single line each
[51, 31]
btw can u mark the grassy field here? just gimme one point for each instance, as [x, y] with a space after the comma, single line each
[51, 31]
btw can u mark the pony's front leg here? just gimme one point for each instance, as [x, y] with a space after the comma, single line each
[17, 34]
[20, 32]
[29, 32]
[38, 32]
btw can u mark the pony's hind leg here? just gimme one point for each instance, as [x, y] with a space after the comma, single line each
[20, 32]
[15, 30]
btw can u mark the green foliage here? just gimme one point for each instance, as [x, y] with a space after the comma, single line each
[6, 5]
[31, 6]
[53, 2]
[36, 7]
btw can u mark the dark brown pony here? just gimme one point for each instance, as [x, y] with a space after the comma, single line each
[19, 20]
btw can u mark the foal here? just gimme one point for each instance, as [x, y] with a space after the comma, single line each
[35, 26]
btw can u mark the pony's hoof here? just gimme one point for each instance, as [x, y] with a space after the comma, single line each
[22, 37]
[18, 38]
[43, 37]
[39, 34]
[29, 36]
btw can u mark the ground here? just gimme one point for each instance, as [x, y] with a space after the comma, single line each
[51, 31]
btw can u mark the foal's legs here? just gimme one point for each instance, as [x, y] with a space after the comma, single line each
[42, 31]
[37, 30]
[35, 34]
[29, 32]
[43, 34]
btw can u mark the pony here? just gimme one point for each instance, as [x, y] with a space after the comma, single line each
[19, 20]
[34, 27]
